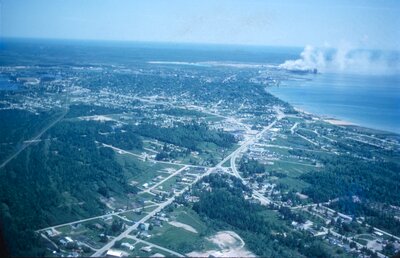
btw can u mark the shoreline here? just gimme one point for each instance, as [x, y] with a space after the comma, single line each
[330, 120]
[339, 122]
[335, 121]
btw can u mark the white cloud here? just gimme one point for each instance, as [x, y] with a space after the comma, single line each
[345, 59]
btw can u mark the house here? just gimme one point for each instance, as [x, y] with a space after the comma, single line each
[144, 226]
[145, 234]
[193, 199]
[114, 253]
[163, 218]
[127, 245]
[146, 249]
[51, 232]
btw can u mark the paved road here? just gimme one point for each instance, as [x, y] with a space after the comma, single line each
[161, 206]
[294, 127]
[314, 204]
[244, 145]
[158, 209]
[149, 159]
[157, 246]
[386, 233]
[359, 246]
[101, 251]
[92, 218]
[165, 179]
[257, 195]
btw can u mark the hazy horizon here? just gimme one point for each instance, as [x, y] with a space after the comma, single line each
[360, 24]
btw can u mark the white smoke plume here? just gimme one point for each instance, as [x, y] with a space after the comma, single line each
[345, 59]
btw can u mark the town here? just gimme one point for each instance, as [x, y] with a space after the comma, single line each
[190, 131]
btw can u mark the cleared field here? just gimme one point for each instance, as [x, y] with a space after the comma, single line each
[175, 238]
[140, 171]
[133, 215]
[227, 164]
[191, 218]
[180, 239]
[291, 169]
[212, 118]
[293, 183]
[167, 185]
[366, 237]
[294, 141]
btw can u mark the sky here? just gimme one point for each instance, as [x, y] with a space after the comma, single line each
[365, 24]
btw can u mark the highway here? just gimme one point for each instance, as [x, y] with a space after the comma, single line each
[161, 206]
[243, 147]
[92, 218]
[121, 151]
[124, 234]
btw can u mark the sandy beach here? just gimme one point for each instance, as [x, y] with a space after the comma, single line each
[338, 122]
[332, 121]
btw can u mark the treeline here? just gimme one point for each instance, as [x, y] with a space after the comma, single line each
[227, 208]
[190, 136]
[250, 167]
[347, 176]
[122, 137]
[183, 112]
[18, 126]
[377, 215]
[56, 181]
[167, 153]
[375, 183]
[125, 138]
[91, 110]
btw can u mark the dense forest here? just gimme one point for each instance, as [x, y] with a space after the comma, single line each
[373, 183]
[348, 176]
[59, 180]
[190, 136]
[374, 214]
[19, 125]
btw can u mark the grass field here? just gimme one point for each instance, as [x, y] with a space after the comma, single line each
[361, 241]
[141, 171]
[188, 216]
[179, 239]
[292, 169]
[294, 183]
[366, 237]
[134, 216]
[175, 238]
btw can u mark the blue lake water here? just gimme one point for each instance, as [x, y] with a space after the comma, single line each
[367, 100]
